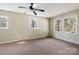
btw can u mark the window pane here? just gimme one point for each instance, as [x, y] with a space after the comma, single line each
[69, 25]
[3, 19]
[34, 24]
[3, 24]
[58, 25]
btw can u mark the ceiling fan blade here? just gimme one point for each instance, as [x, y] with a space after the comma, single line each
[34, 12]
[24, 7]
[39, 10]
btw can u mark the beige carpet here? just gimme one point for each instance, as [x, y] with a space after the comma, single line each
[47, 46]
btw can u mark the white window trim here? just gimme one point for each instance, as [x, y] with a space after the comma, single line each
[62, 24]
[75, 16]
[31, 23]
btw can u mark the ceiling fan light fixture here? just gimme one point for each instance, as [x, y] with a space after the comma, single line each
[34, 5]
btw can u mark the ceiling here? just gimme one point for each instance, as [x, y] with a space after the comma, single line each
[51, 9]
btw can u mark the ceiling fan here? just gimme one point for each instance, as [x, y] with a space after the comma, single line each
[32, 8]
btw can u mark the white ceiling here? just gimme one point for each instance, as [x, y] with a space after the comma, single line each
[51, 9]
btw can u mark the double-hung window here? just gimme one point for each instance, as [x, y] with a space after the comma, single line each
[3, 22]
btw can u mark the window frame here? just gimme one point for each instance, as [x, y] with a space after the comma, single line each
[60, 19]
[62, 24]
[30, 23]
[4, 22]
[74, 16]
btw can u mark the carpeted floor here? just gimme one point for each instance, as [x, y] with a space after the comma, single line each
[47, 46]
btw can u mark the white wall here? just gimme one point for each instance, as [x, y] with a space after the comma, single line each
[19, 27]
[71, 37]
[68, 37]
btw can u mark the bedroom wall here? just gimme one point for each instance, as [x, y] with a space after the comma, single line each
[71, 37]
[19, 27]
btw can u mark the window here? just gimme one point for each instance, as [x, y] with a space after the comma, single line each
[68, 24]
[58, 25]
[3, 22]
[33, 24]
